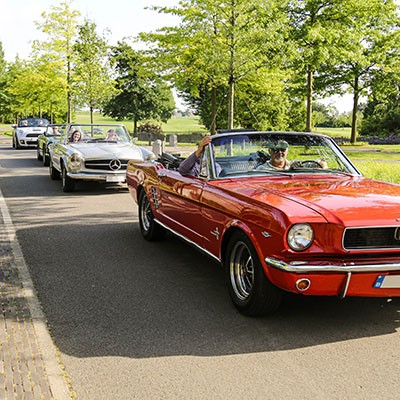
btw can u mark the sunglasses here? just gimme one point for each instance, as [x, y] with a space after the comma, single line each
[276, 151]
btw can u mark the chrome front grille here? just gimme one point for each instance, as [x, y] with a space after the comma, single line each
[372, 238]
[106, 165]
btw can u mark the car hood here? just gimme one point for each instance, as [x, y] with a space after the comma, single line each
[124, 151]
[31, 129]
[350, 201]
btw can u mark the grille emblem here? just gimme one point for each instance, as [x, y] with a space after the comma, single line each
[115, 165]
[397, 234]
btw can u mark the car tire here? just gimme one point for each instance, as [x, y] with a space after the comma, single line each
[53, 172]
[68, 184]
[149, 228]
[16, 144]
[46, 158]
[38, 155]
[249, 288]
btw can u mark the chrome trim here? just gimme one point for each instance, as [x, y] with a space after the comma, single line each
[187, 240]
[307, 268]
[92, 177]
[346, 286]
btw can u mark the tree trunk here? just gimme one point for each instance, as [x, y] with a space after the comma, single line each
[353, 137]
[69, 95]
[309, 99]
[213, 125]
[231, 100]
[91, 114]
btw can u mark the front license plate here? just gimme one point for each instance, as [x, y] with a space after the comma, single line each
[115, 178]
[387, 282]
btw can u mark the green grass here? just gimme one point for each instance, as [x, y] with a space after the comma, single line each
[382, 171]
[174, 125]
[333, 132]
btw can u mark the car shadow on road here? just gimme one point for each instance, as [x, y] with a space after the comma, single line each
[106, 291]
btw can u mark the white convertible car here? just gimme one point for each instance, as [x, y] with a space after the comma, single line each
[26, 133]
[95, 152]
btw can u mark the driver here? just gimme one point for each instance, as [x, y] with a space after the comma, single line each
[278, 153]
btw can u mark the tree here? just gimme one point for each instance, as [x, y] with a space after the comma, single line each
[315, 25]
[93, 85]
[61, 27]
[141, 94]
[382, 113]
[217, 45]
[369, 43]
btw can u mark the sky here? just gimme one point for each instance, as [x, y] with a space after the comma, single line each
[123, 18]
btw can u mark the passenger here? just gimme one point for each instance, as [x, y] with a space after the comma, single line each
[76, 136]
[191, 165]
[111, 135]
[56, 131]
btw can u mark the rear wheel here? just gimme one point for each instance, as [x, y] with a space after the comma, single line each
[250, 290]
[148, 227]
[68, 184]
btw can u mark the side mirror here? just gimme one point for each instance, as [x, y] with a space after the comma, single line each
[14, 126]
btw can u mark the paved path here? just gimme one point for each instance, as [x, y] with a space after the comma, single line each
[29, 366]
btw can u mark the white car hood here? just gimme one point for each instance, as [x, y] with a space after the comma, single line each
[122, 151]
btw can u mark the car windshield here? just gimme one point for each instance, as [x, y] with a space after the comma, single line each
[277, 153]
[55, 130]
[32, 122]
[97, 133]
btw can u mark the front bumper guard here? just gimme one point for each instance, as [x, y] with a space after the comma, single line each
[97, 177]
[299, 267]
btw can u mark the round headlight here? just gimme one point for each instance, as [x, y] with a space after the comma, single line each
[300, 237]
[74, 162]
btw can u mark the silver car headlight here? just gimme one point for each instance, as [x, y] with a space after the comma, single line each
[300, 237]
[75, 162]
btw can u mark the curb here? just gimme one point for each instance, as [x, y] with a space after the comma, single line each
[53, 370]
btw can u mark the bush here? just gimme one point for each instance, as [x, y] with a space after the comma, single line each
[149, 128]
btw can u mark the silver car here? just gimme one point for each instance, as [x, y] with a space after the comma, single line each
[95, 152]
[26, 133]
[52, 134]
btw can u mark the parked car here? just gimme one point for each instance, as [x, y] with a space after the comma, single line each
[52, 134]
[93, 152]
[26, 133]
[316, 227]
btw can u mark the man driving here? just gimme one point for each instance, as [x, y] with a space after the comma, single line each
[278, 153]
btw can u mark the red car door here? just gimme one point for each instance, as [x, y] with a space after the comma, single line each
[180, 207]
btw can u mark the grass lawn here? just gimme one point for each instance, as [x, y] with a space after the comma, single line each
[174, 125]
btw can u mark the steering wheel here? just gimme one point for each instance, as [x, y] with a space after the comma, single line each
[262, 158]
[305, 164]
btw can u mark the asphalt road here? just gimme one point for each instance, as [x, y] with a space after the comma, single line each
[140, 320]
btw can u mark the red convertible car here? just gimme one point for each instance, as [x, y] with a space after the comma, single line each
[314, 226]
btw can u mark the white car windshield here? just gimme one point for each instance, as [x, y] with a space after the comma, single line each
[97, 133]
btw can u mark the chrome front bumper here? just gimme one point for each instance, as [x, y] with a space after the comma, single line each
[303, 268]
[98, 177]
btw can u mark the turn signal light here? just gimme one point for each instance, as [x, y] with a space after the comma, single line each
[303, 284]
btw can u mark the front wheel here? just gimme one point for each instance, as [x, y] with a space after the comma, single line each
[46, 158]
[38, 155]
[250, 290]
[54, 173]
[148, 227]
[68, 184]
